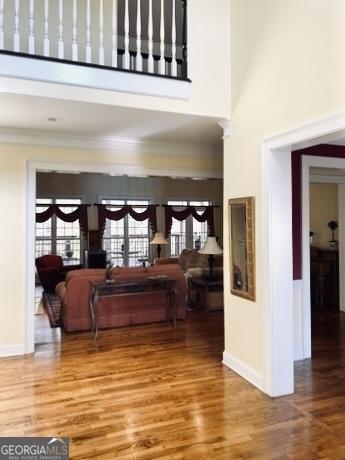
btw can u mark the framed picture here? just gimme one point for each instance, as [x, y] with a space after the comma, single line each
[242, 247]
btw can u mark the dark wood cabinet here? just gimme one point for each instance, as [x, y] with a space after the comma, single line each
[324, 278]
[95, 259]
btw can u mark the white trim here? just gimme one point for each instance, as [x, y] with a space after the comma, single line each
[325, 179]
[11, 350]
[91, 77]
[226, 126]
[306, 301]
[129, 146]
[276, 282]
[243, 370]
[298, 354]
[310, 134]
[124, 169]
[276, 271]
[307, 163]
[30, 259]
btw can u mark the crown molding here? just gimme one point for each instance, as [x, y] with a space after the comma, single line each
[118, 145]
[226, 126]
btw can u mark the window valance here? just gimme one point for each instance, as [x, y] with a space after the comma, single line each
[78, 214]
[183, 214]
[104, 213]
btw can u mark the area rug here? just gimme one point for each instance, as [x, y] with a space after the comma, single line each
[52, 306]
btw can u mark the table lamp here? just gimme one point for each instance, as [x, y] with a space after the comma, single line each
[159, 240]
[211, 248]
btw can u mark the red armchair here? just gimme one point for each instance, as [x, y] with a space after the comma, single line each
[51, 271]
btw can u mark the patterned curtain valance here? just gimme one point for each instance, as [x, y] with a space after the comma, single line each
[206, 216]
[78, 214]
[149, 213]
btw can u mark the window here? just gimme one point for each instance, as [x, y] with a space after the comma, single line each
[56, 236]
[188, 233]
[126, 240]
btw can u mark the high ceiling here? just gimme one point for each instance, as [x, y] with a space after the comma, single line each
[21, 112]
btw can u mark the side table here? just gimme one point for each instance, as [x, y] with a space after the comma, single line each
[130, 288]
[205, 294]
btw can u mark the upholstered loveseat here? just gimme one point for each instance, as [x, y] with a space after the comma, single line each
[190, 258]
[117, 311]
[195, 265]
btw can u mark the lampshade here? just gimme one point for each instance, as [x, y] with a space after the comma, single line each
[211, 246]
[159, 239]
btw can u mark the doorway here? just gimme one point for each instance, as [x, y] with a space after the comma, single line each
[281, 296]
[62, 243]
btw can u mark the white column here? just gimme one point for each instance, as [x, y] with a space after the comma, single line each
[150, 36]
[173, 41]
[127, 63]
[74, 32]
[88, 31]
[16, 36]
[1, 24]
[101, 33]
[114, 35]
[31, 27]
[162, 38]
[46, 45]
[61, 48]
[139, 63]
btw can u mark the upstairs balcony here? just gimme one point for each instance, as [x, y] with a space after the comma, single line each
[120, 45]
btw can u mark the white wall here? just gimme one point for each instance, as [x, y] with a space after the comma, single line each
[323, 209]
[286, 72]
[208, 63]
[13, 204]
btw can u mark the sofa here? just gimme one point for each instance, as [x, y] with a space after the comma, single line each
[190, 258]
[116, 311]
[195, 265]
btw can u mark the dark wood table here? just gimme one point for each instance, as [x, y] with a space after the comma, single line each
[130, 288]
[205, 294]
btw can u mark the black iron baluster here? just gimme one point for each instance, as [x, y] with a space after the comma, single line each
[184, 43]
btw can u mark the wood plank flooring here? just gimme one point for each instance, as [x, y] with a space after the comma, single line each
[152, 392]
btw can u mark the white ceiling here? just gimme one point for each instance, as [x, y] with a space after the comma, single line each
[21, 112]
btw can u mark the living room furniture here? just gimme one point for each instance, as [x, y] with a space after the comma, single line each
[95, 240]
[205, 294]
[211, 248]
[158, 241]
[324, 277]
[153, 284]
[119, 310]
[51, 271]
[96, 259]
[190, 258]
[143, 261]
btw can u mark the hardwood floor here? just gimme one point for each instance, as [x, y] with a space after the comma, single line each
[152, 392]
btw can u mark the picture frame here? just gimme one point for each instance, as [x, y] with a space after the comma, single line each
[242, 247]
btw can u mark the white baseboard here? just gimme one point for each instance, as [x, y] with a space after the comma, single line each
[243, 370]
[298, 354]
[11, 350]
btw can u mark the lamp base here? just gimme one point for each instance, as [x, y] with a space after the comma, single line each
[211, 265]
